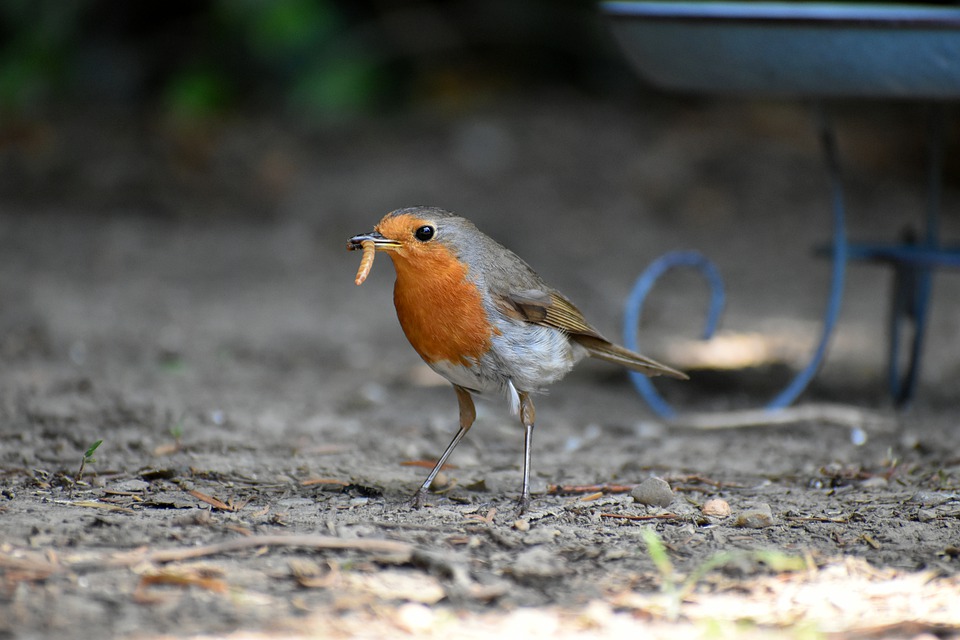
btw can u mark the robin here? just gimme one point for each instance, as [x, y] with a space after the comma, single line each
[483, 319]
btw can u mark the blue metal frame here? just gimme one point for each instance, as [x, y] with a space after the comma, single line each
[634, 308]
[913, 261]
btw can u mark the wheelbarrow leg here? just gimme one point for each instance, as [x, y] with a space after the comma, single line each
[913, 281]
[840, 250]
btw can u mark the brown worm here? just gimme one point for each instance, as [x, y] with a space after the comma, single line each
[366, 262]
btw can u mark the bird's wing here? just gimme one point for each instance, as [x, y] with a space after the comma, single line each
[547, 308]
[550, 309]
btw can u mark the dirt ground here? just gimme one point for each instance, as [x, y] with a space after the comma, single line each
[185, 297]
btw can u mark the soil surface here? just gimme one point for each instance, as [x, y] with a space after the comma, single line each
[185, 297]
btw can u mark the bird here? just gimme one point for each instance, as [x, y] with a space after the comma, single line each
[482, 318]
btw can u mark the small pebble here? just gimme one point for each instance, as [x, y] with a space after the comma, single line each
[717, 507]
[440, 482]
[875, 481]
[522, 525]
[858, 436]
[756, 518]
[926, 515]
[414, 618]
[933, 498]
[653, 492]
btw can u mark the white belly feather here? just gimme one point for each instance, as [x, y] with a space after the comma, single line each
[526, 358]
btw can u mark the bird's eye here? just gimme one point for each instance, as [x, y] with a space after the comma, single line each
[424, 233]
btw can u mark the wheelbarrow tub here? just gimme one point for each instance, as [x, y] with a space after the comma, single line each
[797, 49]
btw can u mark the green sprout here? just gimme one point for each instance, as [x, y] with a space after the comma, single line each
[658, 554]
[87, 459]
[677, 592]
[176, 430]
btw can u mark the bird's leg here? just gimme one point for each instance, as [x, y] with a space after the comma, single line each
[527, 417]
[468, 413]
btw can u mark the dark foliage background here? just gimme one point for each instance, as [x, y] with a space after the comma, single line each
[316, 59]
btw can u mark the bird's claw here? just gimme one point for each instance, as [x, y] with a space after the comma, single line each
[417, 501]
[522, 505]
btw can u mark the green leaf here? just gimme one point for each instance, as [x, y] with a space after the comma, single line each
[88, 456]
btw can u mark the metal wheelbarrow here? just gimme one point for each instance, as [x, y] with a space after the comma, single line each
[812, 51]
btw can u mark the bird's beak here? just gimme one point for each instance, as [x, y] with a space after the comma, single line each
[381, 243]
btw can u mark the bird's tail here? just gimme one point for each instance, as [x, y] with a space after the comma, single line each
[605, 350]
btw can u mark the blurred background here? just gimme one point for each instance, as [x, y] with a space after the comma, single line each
[178, 181]
[311, 59]
[179, 177]
[180, 72]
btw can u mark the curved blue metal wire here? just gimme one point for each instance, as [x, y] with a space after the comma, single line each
[693, 259]
[913, 259]
[838, 272]
[642, 288]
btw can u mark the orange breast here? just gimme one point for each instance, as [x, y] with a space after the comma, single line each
[440, 311]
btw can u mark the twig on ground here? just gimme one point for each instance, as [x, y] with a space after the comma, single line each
[839, 415]
[309, 482]
[652, 516]
[213, 502]
[99, 505]
[392, 547]
[402, 551]
[566, 489]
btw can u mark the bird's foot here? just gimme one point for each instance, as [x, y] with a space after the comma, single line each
[418, 499]
[523, 504]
